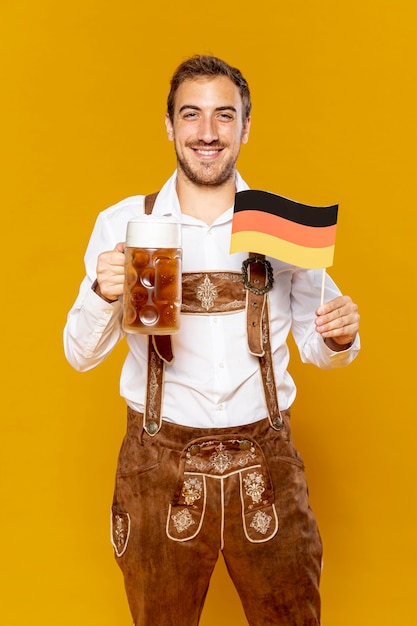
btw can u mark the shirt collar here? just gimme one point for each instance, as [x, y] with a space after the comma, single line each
[167, 202]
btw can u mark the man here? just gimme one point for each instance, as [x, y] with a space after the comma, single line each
[213, 467]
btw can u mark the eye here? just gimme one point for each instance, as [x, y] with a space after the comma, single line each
[226, 116]
[189, 114]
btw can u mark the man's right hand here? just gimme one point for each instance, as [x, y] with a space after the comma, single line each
[111, 273]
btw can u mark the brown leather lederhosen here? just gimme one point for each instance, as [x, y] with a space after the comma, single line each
[218, 292]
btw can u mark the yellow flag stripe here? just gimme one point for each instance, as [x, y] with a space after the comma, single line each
[302, 256]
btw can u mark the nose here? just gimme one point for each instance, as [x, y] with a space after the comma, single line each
[207, 130]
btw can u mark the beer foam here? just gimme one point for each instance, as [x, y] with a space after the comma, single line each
[150, 231]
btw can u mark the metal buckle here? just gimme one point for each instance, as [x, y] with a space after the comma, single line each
[259, 291]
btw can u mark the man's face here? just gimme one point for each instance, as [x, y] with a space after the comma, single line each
[207, 129]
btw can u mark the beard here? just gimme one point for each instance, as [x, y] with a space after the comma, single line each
[207, 174]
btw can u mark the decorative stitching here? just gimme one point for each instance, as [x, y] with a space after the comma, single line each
[182, 520]
[221, 459]
[119, 531]
[261, 522]
[207, 293]
[192, 490]
[254, 486]
[182, 523]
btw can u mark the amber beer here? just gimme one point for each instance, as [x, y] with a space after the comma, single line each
[152, 289]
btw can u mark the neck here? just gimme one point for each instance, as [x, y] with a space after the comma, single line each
[205, 202]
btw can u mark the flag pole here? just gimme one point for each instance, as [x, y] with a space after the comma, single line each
[323, 280]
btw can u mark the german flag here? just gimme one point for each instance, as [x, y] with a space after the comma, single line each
[295, 233]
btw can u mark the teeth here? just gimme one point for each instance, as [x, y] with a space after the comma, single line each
[207, 152]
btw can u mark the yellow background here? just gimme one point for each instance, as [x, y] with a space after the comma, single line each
[83, 88]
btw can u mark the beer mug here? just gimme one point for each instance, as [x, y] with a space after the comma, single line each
[152, 288]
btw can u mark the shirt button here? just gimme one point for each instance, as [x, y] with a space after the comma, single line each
[220, 407]
[221, 365]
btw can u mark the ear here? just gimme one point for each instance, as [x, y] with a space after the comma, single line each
[169, 127]
[245, 131]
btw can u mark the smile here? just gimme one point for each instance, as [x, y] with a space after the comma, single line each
[207, 153]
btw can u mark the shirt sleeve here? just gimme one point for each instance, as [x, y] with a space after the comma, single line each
[305, 298]
[93, 326]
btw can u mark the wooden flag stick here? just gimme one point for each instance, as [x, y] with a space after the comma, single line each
[323, 281]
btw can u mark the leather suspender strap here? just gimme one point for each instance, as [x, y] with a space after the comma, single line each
[152, 416]
[159, 353]
[162, 343]
[149, 202]
[266, 365]
[257, 280]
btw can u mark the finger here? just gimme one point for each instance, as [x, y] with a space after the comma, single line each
[344, 327]
[111, 284]
[120, 247]
[332, 305]
[109, 261]
[339, 308]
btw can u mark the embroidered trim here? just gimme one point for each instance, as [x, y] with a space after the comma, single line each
[207, 293]
[268, 378]
[182, 520]
[254, 486]
[151, 404]
[228, 307]
[192, 490]
[261, 522]
[264, 519]
[221, 459]
[119, 531]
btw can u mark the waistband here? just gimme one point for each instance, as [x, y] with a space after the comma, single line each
[176, 436]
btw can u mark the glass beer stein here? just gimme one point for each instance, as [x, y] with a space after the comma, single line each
[152, 288]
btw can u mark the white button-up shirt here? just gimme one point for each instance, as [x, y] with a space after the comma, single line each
[214, 381]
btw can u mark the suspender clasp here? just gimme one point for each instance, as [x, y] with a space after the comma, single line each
[259, 291]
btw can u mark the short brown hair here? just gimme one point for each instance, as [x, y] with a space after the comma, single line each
[205, 65]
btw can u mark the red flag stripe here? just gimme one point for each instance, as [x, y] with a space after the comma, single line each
[300, 234]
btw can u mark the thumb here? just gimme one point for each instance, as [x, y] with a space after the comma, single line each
[120, 247]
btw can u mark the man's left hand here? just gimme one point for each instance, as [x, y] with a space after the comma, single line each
[337, 322]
